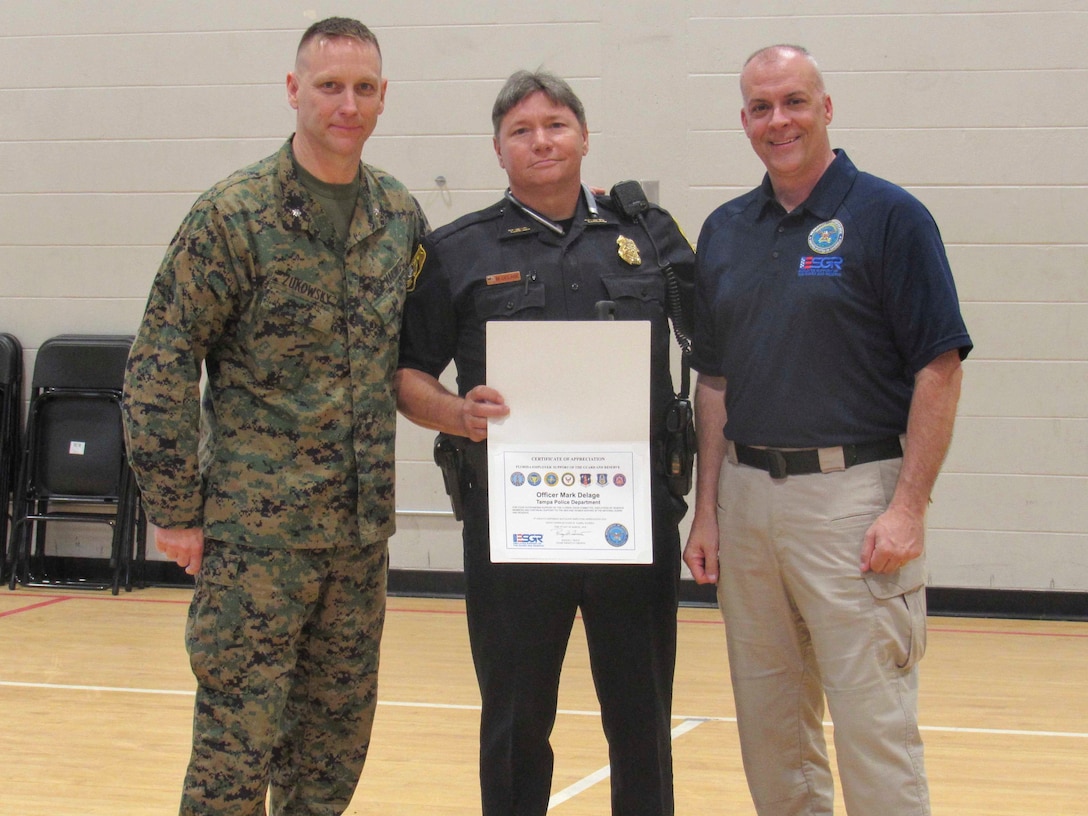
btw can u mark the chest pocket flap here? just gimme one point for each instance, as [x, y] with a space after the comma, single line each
[280, 303]
[648, 287]
[511, 301]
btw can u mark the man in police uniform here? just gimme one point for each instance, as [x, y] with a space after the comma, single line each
[286, 281]
[550, 250]
[828, 341]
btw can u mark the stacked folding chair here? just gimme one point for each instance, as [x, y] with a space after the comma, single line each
[74, 467]
[11, 433]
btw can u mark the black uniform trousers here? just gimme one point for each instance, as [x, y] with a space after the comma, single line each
[520, 618]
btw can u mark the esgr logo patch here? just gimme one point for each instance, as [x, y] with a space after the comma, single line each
[528, 539]
[820, 265]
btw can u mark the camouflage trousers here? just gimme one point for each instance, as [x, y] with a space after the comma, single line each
[284, 645]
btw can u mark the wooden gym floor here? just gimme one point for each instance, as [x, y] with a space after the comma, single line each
[96, 698]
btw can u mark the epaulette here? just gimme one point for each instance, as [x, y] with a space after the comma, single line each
[604, 201]
[465, 221]
[384, 179]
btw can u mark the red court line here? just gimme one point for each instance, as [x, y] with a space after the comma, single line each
[109, 598]
[1013, 632]
[51, 599]
[31, 607]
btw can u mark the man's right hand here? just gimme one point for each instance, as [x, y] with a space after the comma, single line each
[480, 404]
[701, 552]
[185, 546]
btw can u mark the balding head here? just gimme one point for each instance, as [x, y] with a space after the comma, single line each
[782, 53]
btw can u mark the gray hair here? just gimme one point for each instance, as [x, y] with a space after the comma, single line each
[521, 84]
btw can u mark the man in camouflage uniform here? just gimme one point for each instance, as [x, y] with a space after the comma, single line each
[287, 281]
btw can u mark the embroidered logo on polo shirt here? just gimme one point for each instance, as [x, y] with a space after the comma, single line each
[827, 237]
[820, 266]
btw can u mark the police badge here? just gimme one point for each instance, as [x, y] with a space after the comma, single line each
[628, 250]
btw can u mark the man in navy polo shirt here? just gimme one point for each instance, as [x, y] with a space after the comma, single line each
[828, 341]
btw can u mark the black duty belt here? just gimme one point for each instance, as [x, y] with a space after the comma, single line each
[782, 463]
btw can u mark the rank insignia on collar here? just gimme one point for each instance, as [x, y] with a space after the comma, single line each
[628, 250]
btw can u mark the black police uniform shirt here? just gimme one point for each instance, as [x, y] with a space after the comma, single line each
[501, 264]
[820, 318]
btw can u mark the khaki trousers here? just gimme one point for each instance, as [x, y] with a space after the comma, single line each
[802, 623]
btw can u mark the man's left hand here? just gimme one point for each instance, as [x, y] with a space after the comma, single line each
[895, 538]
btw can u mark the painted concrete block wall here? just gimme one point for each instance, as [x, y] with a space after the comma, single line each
[116, 115]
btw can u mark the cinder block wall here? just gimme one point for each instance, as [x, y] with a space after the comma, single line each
[117, 115]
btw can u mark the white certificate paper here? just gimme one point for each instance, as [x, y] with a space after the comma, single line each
[569, 469]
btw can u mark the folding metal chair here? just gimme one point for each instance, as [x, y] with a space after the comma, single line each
[74, 467]
[11, 433]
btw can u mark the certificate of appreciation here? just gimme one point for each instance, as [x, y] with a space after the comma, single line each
[569, 469]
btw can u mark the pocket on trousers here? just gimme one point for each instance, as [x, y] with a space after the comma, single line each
[910, 577]
[214, 632]
[901, 612]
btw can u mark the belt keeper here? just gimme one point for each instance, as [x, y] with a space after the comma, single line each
[831, 459]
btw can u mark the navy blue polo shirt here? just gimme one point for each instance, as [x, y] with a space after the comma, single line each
[820, 318]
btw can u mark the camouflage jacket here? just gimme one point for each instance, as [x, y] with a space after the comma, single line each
[293, 442]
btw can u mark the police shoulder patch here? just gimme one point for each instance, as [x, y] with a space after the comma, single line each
[417, 266]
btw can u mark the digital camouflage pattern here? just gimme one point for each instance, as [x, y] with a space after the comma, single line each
[299, 334]
[267, 708]
[287, 466]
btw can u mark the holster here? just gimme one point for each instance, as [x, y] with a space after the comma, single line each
[449, 456]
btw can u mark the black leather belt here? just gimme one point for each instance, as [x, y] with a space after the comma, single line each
[783, 463]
